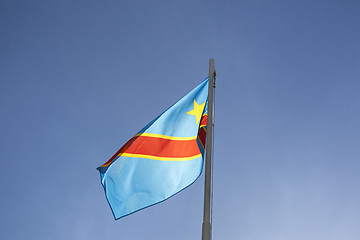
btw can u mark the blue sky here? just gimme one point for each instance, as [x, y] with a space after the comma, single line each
[79, 78]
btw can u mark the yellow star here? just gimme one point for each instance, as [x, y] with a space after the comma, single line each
[197, 111]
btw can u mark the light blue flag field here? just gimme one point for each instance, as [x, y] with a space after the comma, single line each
[163, 158]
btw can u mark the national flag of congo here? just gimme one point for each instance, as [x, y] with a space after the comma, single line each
[163, 158]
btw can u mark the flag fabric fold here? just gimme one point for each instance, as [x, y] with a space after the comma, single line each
[163, 158]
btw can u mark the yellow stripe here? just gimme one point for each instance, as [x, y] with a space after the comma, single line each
[164, 136]
[159, 158]
[201, 143]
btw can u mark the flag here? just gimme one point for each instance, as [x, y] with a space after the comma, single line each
[163, 158]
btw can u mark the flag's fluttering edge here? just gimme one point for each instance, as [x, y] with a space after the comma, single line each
[165, 157]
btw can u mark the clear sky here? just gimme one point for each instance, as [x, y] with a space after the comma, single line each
[79, 78]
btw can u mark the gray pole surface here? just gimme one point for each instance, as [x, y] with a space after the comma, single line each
[206, 227]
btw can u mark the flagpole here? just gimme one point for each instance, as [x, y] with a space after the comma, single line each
[207, 217]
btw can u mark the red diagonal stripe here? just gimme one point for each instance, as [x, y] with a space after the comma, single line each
[203, 121]
[161, 147]
[121, 150]
[202, 136]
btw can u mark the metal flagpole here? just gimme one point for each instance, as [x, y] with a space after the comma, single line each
[206, 227]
